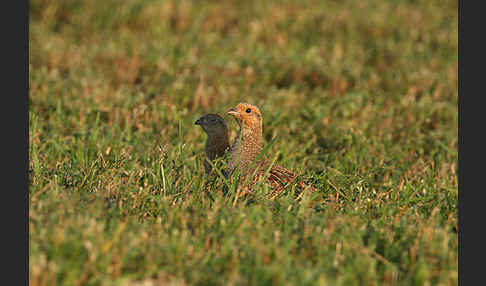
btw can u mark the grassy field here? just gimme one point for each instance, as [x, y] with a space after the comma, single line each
[361, 97]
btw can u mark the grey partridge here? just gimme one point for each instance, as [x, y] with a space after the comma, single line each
[217, 141]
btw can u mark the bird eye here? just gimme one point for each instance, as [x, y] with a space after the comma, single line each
[248, 110]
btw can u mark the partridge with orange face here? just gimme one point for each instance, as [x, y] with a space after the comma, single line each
[249, 143]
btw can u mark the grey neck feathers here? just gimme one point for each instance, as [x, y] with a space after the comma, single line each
[216, 144]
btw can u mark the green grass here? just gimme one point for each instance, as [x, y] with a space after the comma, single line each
[361, 98]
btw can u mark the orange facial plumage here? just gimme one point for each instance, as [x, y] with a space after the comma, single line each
[247, 146]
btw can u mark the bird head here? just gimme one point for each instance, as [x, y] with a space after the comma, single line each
[247, 114]
[212, 124]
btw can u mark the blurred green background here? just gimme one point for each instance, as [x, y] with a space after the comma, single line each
[361, 96]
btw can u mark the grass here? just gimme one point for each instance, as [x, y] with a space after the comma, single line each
[361, 98]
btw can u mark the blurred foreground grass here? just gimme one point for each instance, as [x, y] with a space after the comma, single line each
[362, 97]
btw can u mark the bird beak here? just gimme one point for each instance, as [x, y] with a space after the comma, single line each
[198, 122]
[234, 112]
